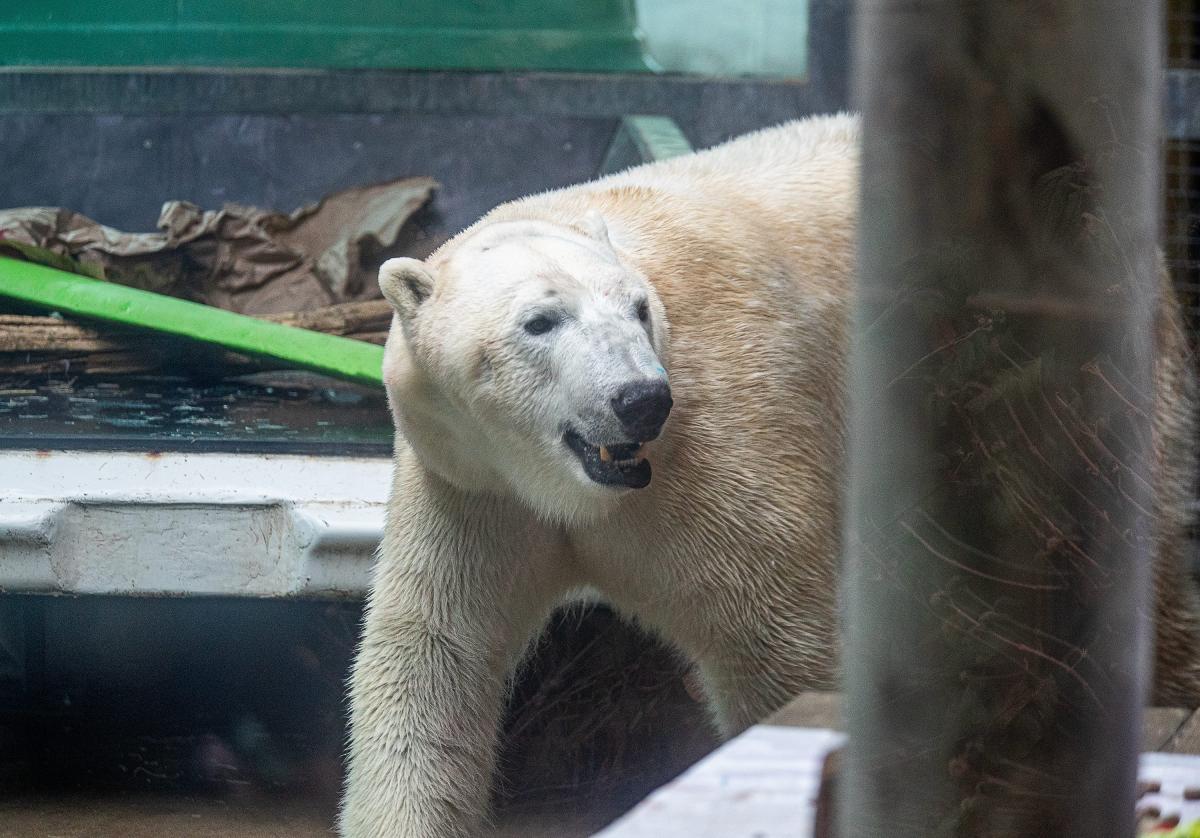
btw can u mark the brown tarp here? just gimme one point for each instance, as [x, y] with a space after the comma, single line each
[245, 259]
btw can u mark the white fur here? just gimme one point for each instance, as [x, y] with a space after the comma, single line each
[493, 421]
[743, 254]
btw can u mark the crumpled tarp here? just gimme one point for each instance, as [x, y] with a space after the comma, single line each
[244, 259]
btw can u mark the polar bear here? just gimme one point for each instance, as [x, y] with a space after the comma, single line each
[629, 389]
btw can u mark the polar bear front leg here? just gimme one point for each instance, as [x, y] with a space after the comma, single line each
[461, 585]
[752, 667]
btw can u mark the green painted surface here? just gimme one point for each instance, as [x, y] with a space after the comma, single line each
[644, 139]
[580, 35]
[657, 137]
[79, 295]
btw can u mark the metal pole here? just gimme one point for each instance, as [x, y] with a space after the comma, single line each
[998, 531]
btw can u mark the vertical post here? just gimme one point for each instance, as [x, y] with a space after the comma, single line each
[998, 532]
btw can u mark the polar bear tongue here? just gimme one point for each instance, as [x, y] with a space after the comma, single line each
[612, 465]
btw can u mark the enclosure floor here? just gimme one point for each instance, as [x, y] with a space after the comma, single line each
[165, 816]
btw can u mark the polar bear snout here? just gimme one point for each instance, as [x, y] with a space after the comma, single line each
[642, 408]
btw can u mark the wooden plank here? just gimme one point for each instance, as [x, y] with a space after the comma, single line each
[27, 333]
[20, 333]
[1170, 729]
[986, 664]
[1186, 739]
[811, 709]
[371, 316]
[1160, 725]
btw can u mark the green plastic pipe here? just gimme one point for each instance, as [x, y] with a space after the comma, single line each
[85, 297]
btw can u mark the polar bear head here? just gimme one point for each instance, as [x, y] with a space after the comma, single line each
[528, 356]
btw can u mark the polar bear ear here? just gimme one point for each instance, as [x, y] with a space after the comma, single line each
[406, 283]
[596, 227]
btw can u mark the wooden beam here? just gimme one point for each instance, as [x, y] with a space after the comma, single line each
[998, 534]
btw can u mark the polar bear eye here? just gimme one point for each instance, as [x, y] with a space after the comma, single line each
[643, 311]
[540, 325]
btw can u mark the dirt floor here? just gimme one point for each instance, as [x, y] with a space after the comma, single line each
[251, 816]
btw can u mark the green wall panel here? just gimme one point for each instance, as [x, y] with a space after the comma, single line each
[587, 35]
[66, 14]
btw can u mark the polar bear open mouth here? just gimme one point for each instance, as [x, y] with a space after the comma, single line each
[611, 465]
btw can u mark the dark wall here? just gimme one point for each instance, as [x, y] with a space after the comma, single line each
[115, 145]
[118, 169]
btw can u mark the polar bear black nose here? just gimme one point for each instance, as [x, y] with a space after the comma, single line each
[642, 407]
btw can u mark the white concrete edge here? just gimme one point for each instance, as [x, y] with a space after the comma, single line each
[189, 524]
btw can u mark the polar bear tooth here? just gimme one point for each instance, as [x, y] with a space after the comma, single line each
[604, 455]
